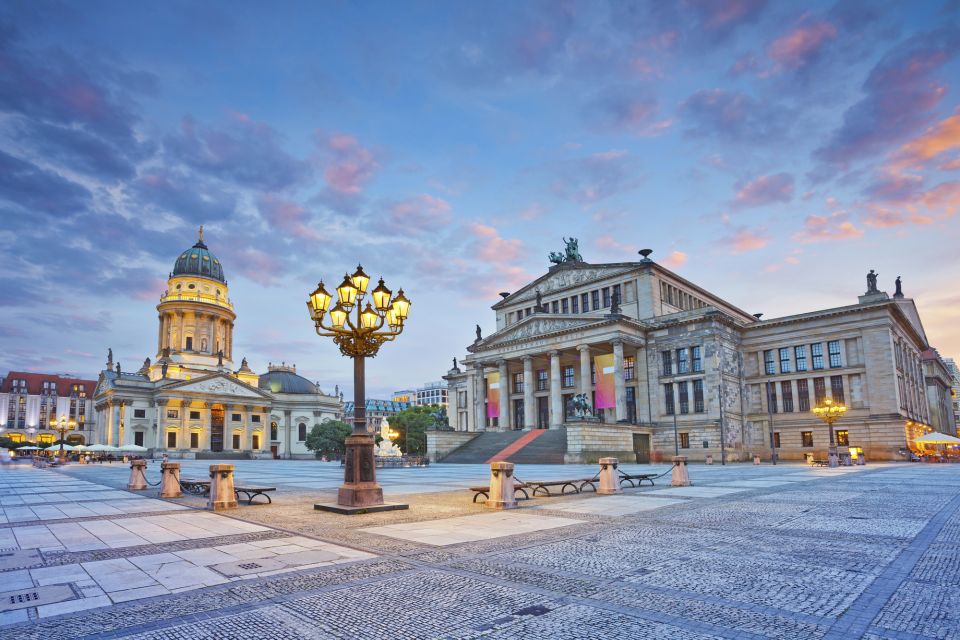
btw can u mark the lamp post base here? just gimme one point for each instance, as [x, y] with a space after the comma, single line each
[832, 458]
[352, 511]
[359, 492]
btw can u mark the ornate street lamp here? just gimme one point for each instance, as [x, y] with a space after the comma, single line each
[830, 413]
[380, 320]
[63, 424]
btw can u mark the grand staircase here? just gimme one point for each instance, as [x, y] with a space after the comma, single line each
[539, 446]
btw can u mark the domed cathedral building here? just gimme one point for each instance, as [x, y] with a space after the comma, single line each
[189, 400]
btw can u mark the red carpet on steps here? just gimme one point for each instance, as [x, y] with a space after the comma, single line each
[517, 444]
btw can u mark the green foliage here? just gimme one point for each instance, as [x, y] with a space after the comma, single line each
[412, 424]
[7, 443]
[327, 438]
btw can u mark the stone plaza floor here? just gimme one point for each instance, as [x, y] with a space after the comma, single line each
[783, 551]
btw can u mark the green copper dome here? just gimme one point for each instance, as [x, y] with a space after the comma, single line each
[198, 261]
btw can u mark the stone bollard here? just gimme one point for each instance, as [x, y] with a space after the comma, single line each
[501, 486]
[756, 459]
[170, 480]
[680, 476]
[222, 495]
[709, 458]
[138, 476]
[609, 482]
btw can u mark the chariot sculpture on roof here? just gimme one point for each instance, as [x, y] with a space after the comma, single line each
[571, 253]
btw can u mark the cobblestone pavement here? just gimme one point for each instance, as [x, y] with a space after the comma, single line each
[748, 552]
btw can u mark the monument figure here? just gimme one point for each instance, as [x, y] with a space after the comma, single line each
[163, 370]
[581, 405]
[872, 282]
[899, 292]
[220, 358]
[539, 307]
[571, 252]
[109, 358]
[479, 335]
[454, 362]
[118, 367]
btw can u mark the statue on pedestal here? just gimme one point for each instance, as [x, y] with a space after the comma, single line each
[899, 292]
[479, 334]
[387, 448]
[109, 358]
[872, 282]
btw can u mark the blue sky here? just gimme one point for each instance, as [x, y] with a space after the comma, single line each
[772, 152]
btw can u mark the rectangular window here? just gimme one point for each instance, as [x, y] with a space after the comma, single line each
[771, 397]
[554, 307]
[527, 312]
[668, 398]
[800, 355]
[784, 360]
[629, 367]
[819, 391]
[173, 414]
[171, 440]
[575, 304]
[542, 380]
[843, 438]
[667, 363]
[567, 380]
[585, 302]
[836, 389]
[565, 305]
[593, 373]
[194, 440]
[606, 297]
[138, 438]
[834, 350]
[698, 396]
[684, 397]
[776, 439]
[768, 366]
[803, 396]
[684, 440]
[518, 383]
[697, 357]
[616, 294]
[194, 415]
[256, 441]
[683, 365]
[806, 438]
[595, 299]
[254, 418]
[816, 350]
[139, 413]
[236, 441]
[786, 393]
[235, 417]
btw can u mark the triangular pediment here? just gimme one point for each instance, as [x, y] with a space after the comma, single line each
[218, 384]
[564, 277]
[909, 309]
[534, 326]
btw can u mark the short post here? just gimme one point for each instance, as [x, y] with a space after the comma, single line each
[756, 458]
[709, 458]
[138, 476]
[222, 495]
[680, 476]
[501, 486]
[170, 480]
[609, 482]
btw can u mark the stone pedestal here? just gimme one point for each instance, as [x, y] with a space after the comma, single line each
[756, 459]
[609, 482]
[709, 459]
[359, 492]
[138, 476]
[170, 480]
[501, 486]
[222, 495]
[680, 476]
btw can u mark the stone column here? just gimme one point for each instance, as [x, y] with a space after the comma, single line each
[138, 476]
[585, 383]
[529, 403]
[287, 417]
[222, 495]
[505, 421]
[469, 409]
[501, 486]
[114, 439]
[161, 416]
[170, 480]
[619, 384]
[609, 481]
[180, 342]
[480, 408]
[159, 334]
[556, 399]
[680, 476]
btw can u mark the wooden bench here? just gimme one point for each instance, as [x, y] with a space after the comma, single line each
[196, 487]
[577, 485]
[253, 492]
[485, 491]
[820, 463]
[639, 477]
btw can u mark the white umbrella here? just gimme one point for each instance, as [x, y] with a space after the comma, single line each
[56, 447]
[101, 448]
[30, 448]
[938, 438]
[133, 447]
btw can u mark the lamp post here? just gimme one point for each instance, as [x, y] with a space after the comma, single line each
[381, 320]
[830, 413]
[63, 424]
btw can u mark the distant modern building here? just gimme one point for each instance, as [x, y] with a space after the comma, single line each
[433, 393]
[954, 388]
[405, 395]
[190, 401]
[29, 401]
[377, 410]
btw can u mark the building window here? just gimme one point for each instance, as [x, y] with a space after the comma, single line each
[836, 389]
[171, 440]
[302, 432]
[138, 438]
[771, 397]
[768, 366]
[843, 438]
[684, 397]
[255, 418]
[235, 417]
[139, 413]
[555, 307]
[806, 438]
[784, 360]
[568, 379]
[684, 440]
[527, 312]
[800, 355]
[565, 305]
[593, 373]
[273, 431]
[189, 346]
[575, 304]
[668, 398]
[194, 415]
[173, 414]
[786, 393]
[585, 302]
[697, 359]
[629, 367]
[816, 350]
[542, 380]
[698, 396]
[776, 439]
[236, 441]
[518, 383]
[803, 396]
[834, 350]
[606, 297]
[194, 440]
[595, 299]
[256, 441]
[683, 366]
[819, 391]
[667, 363]
[616, 294]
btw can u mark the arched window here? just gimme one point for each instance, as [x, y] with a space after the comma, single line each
[203, 345]
[273, 431]
[302, 431]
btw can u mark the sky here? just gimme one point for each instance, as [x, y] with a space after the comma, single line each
[771, 152]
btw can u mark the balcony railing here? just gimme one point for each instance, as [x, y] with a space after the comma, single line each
[195, 297]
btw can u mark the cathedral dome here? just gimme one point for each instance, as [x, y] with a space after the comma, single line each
[278, 380]
[198, 261]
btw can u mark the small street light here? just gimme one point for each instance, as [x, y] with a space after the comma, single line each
[380, 320]
[830, 413]
[63, 424]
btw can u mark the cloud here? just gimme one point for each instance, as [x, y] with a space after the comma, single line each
[675, 260]
[348, 166]
[37, 190]
[827, 228]
[802, 44]
[186, 195]
[418, 214]
[765, 190]
[80, 150]
[596, 177]
[733, 115]
[624, 109]
[743, 239]
[489, 246]
[287, 216]
[943, 137]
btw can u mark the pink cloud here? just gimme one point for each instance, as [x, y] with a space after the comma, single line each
[801, 44]
[765, 190]
[941, 138]
[722, 14]
[827, 228]
[256, 265]
[675, 260]
[349, 166]
[152, 290]
[287, 216]
[742, 240]
[614, 248]
[419, 214]
[490, 247]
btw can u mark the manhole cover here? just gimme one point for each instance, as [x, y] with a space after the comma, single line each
[24, 598]
[19, 559]
[249, 565]
[246, 567]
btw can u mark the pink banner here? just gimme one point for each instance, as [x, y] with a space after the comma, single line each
[605, 384]
[493, 395]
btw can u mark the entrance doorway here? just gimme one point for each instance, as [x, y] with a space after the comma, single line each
[273, 451]
[543, 412]
[641, 447]
[518, 415]
[216, 428]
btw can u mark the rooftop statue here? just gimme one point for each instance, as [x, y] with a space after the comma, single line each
[872, 282]
[571, 253]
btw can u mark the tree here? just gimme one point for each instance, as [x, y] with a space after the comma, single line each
[412, 424]
[328, 438]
